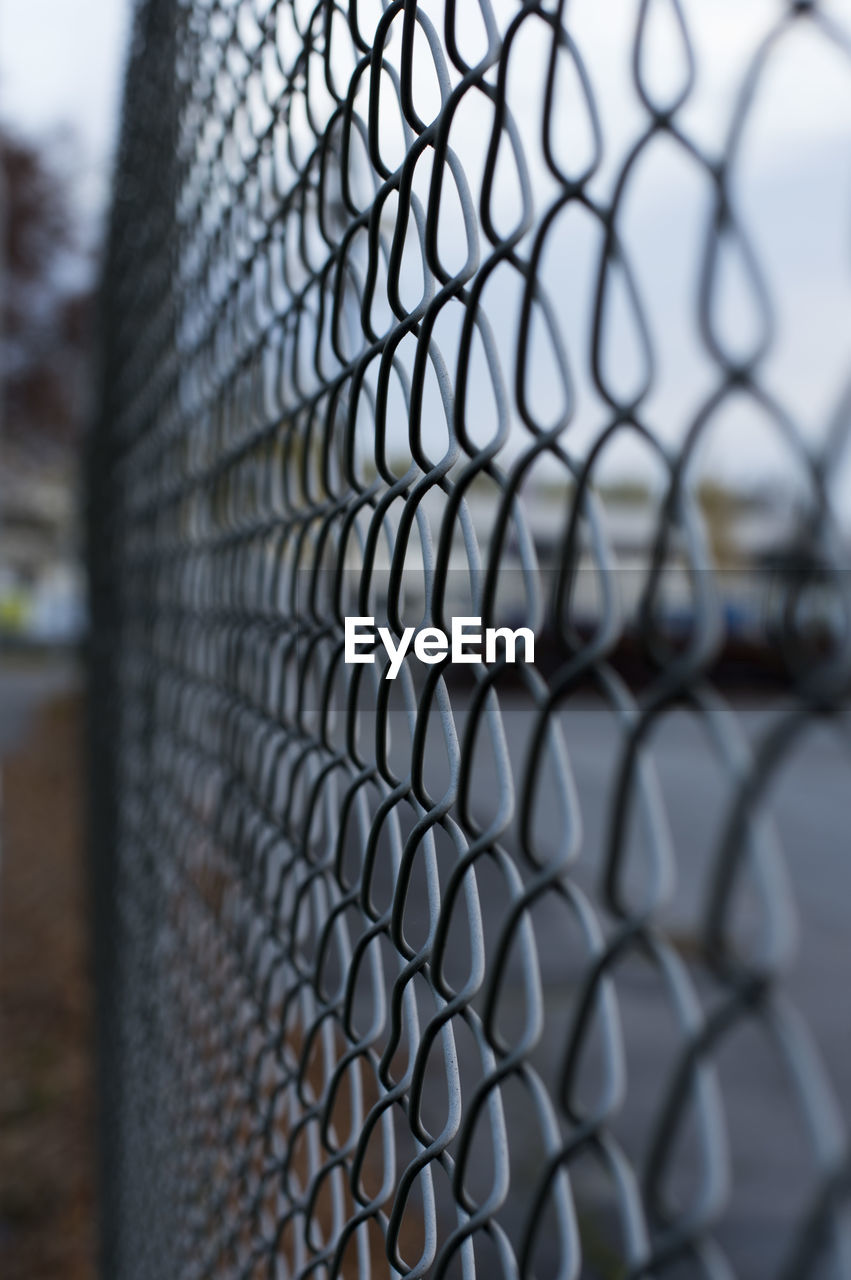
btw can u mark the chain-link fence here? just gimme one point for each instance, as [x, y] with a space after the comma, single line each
[537, 313]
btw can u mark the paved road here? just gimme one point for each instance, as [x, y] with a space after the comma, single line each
[27, 681]
[764, 1129]
[808, 805]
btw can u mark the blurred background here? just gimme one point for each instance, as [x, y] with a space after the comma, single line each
[61, 64]
[60, 72]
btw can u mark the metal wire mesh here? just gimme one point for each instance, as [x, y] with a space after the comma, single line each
[491, 976]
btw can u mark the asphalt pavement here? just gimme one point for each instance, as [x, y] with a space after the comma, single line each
[28, 681]
[775, 1074]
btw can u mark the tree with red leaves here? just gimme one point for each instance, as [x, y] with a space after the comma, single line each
[44, 319]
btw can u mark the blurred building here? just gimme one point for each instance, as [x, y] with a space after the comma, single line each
[42, 586]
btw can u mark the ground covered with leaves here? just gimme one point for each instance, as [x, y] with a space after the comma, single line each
[47, 1163]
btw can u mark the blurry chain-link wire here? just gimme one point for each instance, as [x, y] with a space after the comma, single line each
[391, 978]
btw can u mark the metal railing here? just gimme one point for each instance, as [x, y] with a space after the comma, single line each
[418, 310]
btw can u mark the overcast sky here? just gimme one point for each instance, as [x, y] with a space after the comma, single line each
[61, 64]
[61, 68]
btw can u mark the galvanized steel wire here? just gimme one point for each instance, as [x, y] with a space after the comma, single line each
[328, 1046]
